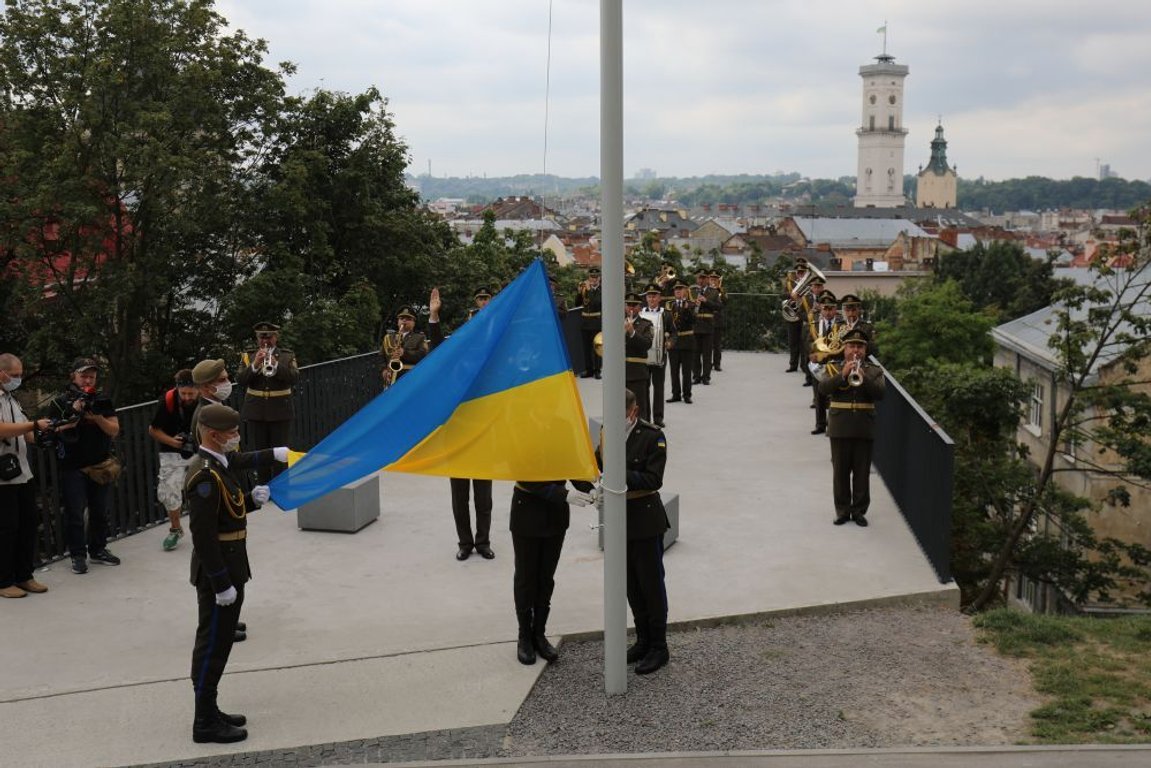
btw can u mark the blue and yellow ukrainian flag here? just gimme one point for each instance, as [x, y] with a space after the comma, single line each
[497, 400]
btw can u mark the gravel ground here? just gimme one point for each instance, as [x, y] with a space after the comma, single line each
[877, 678]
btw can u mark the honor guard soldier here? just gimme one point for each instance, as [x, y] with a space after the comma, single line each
[718, 300]
[219, 568]
[402, 348]
[646, 458]
[681, 354]
[657, 314]
[795, 327]
[638, 335]
[852, 307]
[591, 323]
[268, 374]
[853, 387]
[463, 488]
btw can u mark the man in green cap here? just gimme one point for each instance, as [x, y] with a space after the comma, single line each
[268, 372]
[218, 521]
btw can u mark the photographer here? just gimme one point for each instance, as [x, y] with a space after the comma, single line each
[87, 467]
[18, 518]
[171, 427]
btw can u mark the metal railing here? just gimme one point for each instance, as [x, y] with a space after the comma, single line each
[326, 395]
[916, 460]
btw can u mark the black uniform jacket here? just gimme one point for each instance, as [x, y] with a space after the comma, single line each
[645, 460]
[705, 314]
[635, 350]
[851, 412]
[592, 312]
[540, 509]
[219, 508]
[415, 346]
[268, 398]
[682, 325]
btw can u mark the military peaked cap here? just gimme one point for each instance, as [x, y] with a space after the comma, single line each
[207, 371]
[219, 417]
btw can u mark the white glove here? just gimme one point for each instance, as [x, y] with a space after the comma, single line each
[280, 454]
[597, 493]
[579, 498]
[227, 597]
[261, 494]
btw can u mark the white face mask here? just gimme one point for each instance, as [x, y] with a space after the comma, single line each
[231, 445]
[12, 384]
[223, 391]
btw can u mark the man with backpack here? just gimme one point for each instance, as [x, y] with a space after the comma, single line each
[171, 427]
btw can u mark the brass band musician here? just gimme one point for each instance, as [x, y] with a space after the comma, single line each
[663, 332]
[826, 346]
[268, 374]
[681, 351]
[402, 348]
[853, 388]
[852, 307]
[794, 327]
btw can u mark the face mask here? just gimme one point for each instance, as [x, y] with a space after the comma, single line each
[223, 391]
[231, 445]
[12, 384]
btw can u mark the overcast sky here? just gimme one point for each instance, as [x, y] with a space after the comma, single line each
[1024, 87]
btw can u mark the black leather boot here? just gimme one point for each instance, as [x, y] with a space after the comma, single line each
[525, 649]
[239, 721]
[657, 655]
[545, 649]
[642, 642]
[209, 726]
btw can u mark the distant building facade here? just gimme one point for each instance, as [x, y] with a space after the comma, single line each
[879, 178]
[937, 185]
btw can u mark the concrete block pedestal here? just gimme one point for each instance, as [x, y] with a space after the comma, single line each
[345, 510]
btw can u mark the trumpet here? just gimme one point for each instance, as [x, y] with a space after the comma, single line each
[855, 378]
[271, 362]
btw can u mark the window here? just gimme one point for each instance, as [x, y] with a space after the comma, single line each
[871, 126]
[1035, 408]
[872, 98]
[891, 122]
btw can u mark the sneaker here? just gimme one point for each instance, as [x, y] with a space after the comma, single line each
[79, 565]
[104, 557]
[173, 539]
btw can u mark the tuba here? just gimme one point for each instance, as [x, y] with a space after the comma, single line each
[790, 307]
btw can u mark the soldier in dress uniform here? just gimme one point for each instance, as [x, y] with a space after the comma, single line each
[463, 488]
[704, 329]
[809, 314]
[718, 300]
[682, 352]
[662, 333]
[591, 299]
[853, 388]
[828, 330]
[219, 566]
[268, 373]
[402, 348]
[795, 327]
[646, 458]
[637, 340]
[852, 307]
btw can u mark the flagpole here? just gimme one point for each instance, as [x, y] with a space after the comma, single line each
[611, 248]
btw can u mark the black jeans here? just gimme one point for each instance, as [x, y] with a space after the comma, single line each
[81, 492]
[18, 524]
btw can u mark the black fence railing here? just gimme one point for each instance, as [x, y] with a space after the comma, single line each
[916, 460]
[326, 395]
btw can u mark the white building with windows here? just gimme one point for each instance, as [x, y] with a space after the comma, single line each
[879, 178]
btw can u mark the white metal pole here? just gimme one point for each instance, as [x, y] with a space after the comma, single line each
[611, 247]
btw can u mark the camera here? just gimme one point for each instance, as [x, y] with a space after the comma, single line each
[88, 397]
[187, 447]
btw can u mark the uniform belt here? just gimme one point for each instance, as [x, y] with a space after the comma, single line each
[640, 494]
[635, 359]
[233, 535]
[269, 393]
[704, 314]
[685, 333]
[591, 314]
[853, 406]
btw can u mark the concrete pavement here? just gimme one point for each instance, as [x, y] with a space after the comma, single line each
[383, 633]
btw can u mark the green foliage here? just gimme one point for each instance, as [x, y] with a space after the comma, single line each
[1000, 277]
[1037, 193]
[935, 322]
[332, 328]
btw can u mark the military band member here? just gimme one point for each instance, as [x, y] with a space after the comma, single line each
[658, 315]
[719, 300]
[852, 307]
[704, 329]
[666, 279]
[853, 388]
[219, 564]
[402, 348]
[809, 312]
[560, 302]
[827, 331]
[463, 488]
[682, 351]
[268, 372]
[638, 335]
[645, 455]
[795, 327]
[591, 299]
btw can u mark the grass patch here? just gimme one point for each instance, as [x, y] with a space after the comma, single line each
[1097, 673]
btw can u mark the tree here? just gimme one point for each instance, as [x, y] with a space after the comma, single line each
[1001, 277]
[935, 322]
[129, 131]
[1100, 343]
